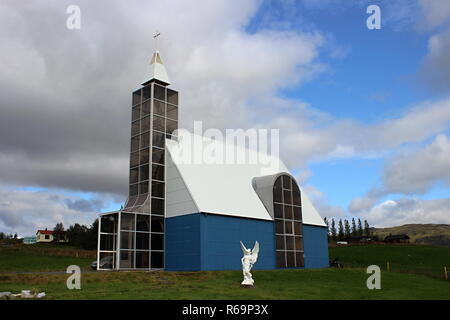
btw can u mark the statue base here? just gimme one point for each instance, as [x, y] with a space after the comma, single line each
[248, 286]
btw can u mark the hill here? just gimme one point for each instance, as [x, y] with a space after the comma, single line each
[431, 234]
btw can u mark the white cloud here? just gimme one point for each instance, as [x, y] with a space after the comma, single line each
[409, 210]
[26, 211]
[320, 202]
[434, 13]
[410, 172]
[309, 135]
[435, 70]
[362, 203]
[65, 94]
[417, 172]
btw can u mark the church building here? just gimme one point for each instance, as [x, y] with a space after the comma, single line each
[188, 216]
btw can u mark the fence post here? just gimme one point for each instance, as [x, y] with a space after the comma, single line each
[445, 273]
[388, 267]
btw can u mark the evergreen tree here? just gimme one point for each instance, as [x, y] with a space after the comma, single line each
[360, 228]
[354, 232]
[328, 228]
[82, 236]
[58, 232]
[76, 234]
[347, 230]
[333, 230]
[366, 229]
[340, 230]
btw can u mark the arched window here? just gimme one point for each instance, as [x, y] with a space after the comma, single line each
[288, 223]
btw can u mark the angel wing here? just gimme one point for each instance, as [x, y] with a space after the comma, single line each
[244, 249]
[255, 252]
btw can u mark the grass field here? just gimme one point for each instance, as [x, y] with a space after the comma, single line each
[42, 257]
[416, 259]
[347, 283]
[276, 284]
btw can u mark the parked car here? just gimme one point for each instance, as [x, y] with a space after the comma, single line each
[105, 263]
[342, 243]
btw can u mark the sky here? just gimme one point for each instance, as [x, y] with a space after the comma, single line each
[364, 114]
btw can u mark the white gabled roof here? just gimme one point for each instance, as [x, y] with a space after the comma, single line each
[157, 70]
[221, 188]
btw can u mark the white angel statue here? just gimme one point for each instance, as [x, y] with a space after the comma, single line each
[248, 260]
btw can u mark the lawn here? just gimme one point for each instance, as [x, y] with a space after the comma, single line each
[42, 257]
[347, 283]
[417, 259]
[275, 284]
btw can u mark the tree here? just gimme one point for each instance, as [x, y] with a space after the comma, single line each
[76, 234]
[360, 228]
[333, 230]
[58, 232]
[340, 230]
[354, 232]
[328, 228]
[82, 236]
[347, 228]
[90, 242]
[367, 232]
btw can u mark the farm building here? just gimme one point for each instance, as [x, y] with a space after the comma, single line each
[190, 215]
[397, 238]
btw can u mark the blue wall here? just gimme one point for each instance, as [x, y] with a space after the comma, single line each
[316, 246]
[211, 242]
[183, 243]
[221, 249]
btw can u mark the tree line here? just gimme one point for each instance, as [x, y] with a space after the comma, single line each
[344, 229]
[5, 236]
[78, 235]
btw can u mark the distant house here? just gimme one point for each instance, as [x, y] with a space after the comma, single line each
[44, 236]
[397, 238]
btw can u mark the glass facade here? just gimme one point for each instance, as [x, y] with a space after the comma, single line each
[288, 223]
[137, 239]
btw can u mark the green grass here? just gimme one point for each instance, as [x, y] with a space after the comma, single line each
[275, 284]
[417, 259]
[23, 258]
[21, 262]
[347, 283]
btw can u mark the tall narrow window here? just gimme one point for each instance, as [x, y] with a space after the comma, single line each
[288, 223]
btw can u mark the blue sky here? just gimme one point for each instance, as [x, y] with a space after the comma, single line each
[364, 115]
[371, 76]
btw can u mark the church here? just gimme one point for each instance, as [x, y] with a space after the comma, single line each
[187, 216]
